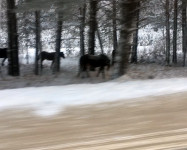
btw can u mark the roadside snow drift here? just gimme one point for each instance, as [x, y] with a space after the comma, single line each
[50, 100]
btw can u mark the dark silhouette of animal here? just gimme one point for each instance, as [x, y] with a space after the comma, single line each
[49, 56]
[3, 54]
[88, 62]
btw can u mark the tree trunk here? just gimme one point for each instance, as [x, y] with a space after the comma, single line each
[92, 26]
[135, 36]
[175, 32]
[167, 34]
[82, 29]
[58, 43]
[126, 22]
[38, 42]
[184, 30]
[100, 40]
[26, 32]
[13, 59]
[114, 31]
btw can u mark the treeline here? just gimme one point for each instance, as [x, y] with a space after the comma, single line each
[112, 24]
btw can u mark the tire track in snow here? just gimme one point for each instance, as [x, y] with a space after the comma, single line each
[172, 139]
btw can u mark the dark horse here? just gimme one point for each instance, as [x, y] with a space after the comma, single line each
[49, 56]
[3, 54]
[88, 62]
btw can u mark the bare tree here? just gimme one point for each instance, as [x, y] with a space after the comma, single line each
[127, 9]
[167, 33]
[58, 42]
[13, 59]
[82, 28]
[114, 26]
[92, 26]
[100, 40]
[135, 36]
[38, 42]
[175, 32]
[184, 30]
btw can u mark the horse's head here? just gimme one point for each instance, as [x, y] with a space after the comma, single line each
[62, 55]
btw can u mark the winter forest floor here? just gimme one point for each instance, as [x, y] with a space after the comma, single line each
[144, 123]
[69, 69]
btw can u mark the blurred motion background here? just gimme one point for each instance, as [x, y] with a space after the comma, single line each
[93, 75]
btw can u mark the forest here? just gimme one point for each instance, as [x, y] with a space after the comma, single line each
[93, 75]
[127, 31]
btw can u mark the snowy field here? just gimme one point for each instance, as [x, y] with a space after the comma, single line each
[51, 100]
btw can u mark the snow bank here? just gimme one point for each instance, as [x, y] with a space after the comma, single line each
[50, 100]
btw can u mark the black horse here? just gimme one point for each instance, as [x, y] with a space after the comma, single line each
[88, 62]
[49, 56]
[3, 54]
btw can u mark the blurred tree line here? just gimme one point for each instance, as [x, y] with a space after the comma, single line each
[108, 25]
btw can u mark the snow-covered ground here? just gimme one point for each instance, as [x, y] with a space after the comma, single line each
[69, 69]
[48, 94]
[51, 100]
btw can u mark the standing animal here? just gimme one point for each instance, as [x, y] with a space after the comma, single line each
[49, 56]
[88, 62]
[3, 54]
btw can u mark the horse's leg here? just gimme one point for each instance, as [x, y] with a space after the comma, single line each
[99, 72]
[52, 64]
[41, 65]
[3, 61]
[101, 69]
[103, 72]
[79, 72]
[87, 72]
[87, 68]
[84, 72]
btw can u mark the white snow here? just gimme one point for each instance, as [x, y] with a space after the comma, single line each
[46, 101]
